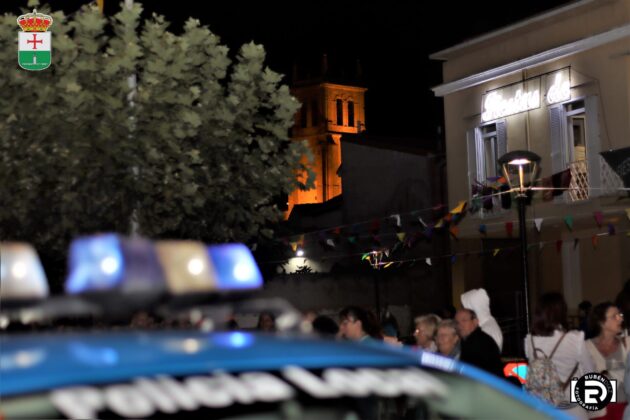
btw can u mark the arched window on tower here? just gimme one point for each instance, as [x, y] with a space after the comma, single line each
[350, 114]
[339, 112]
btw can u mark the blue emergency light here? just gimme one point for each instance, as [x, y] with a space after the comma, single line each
[110, 262]
[95, 264]
[235, 267]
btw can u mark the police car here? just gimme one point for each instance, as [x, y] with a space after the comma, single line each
[170, 372]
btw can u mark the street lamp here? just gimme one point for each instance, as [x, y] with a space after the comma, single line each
[520, 168]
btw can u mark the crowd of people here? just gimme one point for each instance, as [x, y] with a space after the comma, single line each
[599, 343]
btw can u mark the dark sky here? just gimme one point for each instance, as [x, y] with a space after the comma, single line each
[391, 39]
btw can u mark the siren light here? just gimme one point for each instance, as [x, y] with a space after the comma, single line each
[22, 276]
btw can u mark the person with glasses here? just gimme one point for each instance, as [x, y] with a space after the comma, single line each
[358, 324]
[609, 350]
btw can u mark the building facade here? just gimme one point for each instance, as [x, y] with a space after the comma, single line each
[328, 111]
[557, 84]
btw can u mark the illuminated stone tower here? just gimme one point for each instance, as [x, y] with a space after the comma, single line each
[328, 111]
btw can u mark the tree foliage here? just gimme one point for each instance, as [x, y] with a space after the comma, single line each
[199, 147]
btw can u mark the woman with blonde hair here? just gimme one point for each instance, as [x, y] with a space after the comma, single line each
[426, 328]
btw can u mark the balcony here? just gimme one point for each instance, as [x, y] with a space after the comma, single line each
[579, 186]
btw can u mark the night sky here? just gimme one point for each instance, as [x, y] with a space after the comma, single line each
[392, 41]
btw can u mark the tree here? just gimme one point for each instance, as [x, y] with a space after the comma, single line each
[199, 147]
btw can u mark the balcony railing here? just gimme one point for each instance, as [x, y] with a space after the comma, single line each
[579, 186]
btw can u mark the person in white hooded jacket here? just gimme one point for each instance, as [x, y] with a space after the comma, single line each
[478, 301]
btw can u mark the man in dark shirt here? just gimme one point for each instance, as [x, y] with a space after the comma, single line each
[478, 348]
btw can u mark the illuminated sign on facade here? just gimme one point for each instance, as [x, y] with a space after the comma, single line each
[558, 86]
[525, 96]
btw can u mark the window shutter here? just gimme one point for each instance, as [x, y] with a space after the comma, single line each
[593, 146]
[557, 137]
[471, 142]
[501, 139]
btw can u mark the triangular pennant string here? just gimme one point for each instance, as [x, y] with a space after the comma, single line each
[538, 222]
[599, 218]
[568, 220]
[496, 252]
[428, 261]
[401, 236]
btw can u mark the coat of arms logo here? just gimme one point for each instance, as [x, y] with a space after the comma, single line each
[34, 42]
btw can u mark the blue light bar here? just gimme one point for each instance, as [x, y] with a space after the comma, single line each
[95, 264]
[235, 267]
[21, 273]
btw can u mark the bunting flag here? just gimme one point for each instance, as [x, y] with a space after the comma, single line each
[559, 245]
[396, 217]
[365, 256]
[254, 247]
[482, 229]
[336, 231]
[495, 252]
[352, 239]
[294, 246]
[422, 222]
[401, 236]
[459, 208]
[538, 222]
[560, 181]
[576, 242]
[388, 264]
[428, 261]
[439, 224]
[594, 241]
[330, 243]
[453, 259]
[611, 229]
[568, 220]
[599, 218]
[454, 230]
[509, 228]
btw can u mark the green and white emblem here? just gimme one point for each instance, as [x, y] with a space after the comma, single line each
[34, 42]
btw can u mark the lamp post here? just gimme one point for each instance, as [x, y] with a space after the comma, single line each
[520, 168]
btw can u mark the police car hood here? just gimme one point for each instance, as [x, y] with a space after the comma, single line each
[34, 362]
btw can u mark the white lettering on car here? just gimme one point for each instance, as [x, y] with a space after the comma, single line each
[81, 402]
[144, 396]
[127, 401]
[309, 383]
[266, 387]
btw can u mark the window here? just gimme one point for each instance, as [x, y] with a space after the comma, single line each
[490, 149]
[339, 112]
[304, 115]
[315, 112]
[350, 114]
[486, 144]
[575, 146]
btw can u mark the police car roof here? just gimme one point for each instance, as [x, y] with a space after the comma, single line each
[36, 362]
